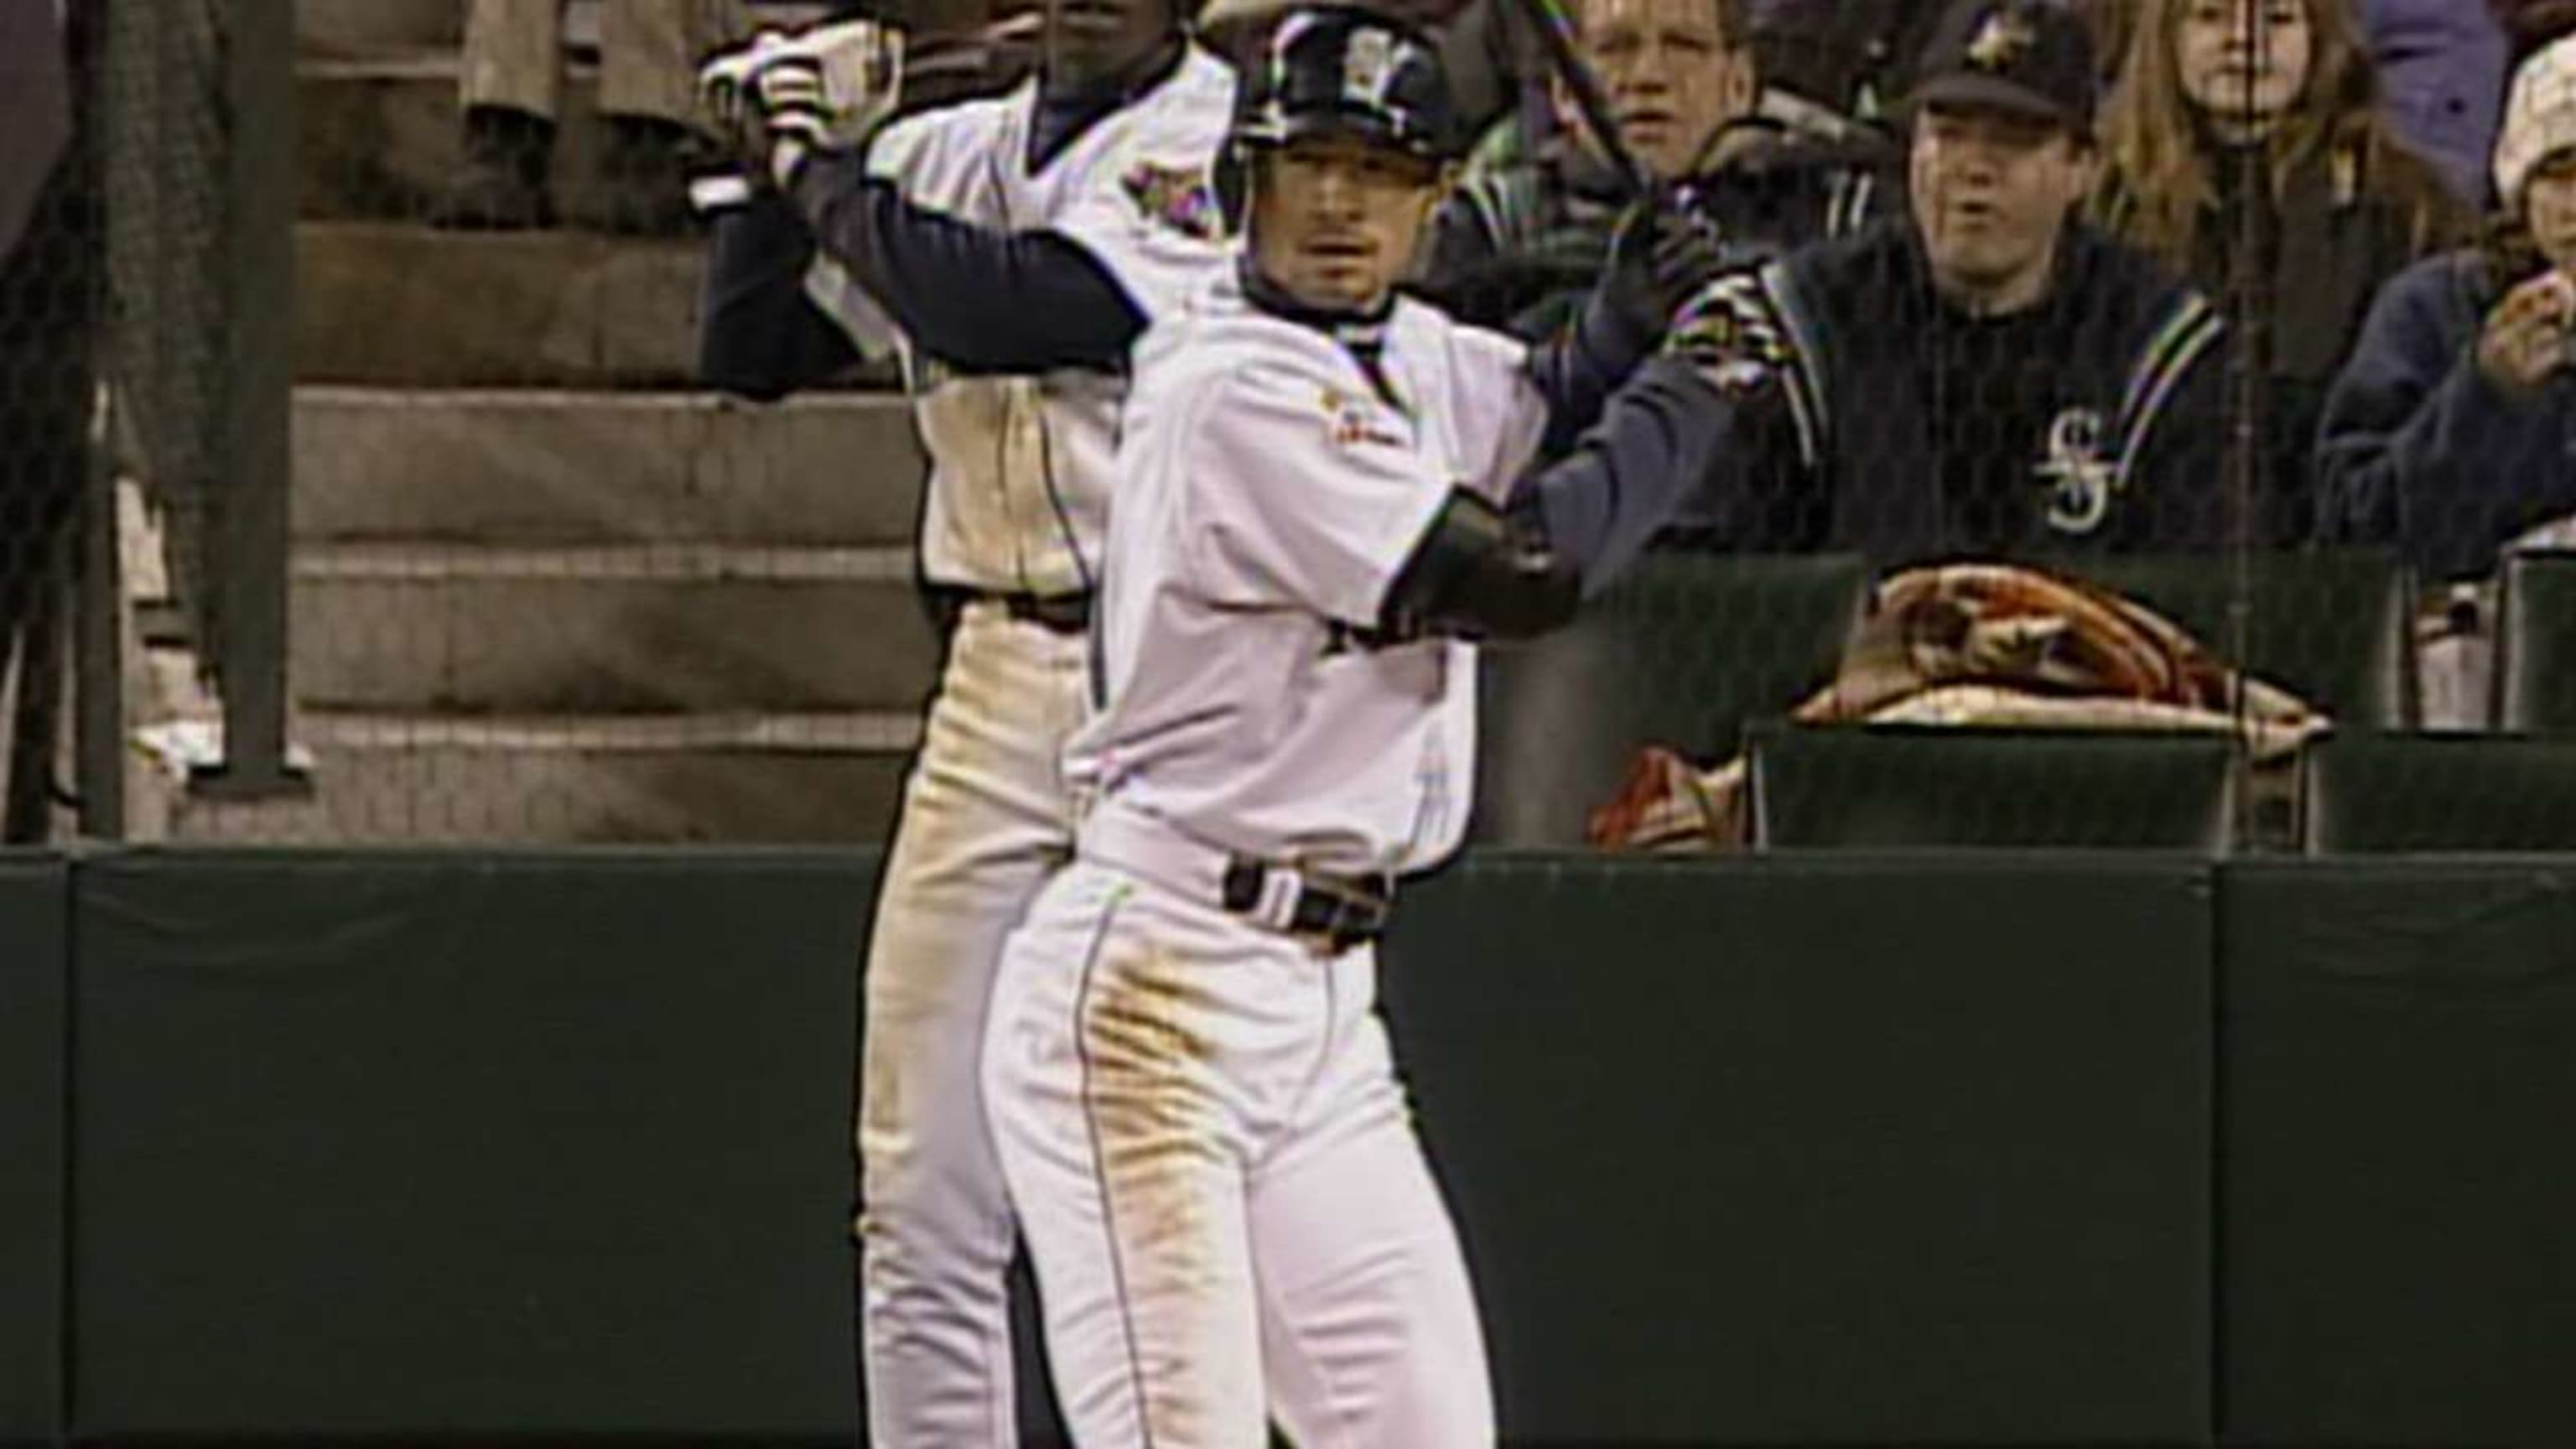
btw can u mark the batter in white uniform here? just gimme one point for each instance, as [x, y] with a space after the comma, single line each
[1012, 249]
[1322, 499]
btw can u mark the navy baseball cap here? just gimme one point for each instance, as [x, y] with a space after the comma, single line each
[2030, 57]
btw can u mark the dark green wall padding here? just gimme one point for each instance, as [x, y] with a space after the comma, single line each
[34, 958]
[1798, 1150]
[2399, 1225]
[466, 1147]
[1825, 1153]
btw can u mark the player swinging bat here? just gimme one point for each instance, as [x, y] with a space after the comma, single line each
[1010, 249]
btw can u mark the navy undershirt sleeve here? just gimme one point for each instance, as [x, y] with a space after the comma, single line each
[977, 298]
[1631, 474]
[1578, 370]
[763, 337]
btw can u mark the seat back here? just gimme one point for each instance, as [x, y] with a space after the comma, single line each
[1891, 786]
[2426, 793]
[2536, 644]
[1680, 654]
[2335, 626]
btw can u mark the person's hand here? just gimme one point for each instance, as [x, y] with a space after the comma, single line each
[784, 97]
[1661, 254]
[2526, 336]
[724, 92]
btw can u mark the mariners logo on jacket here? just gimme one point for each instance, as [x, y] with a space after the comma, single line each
[2081, 481]
[1178, 197]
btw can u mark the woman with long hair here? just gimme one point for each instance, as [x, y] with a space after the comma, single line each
[2226, 104]
[2454, 428]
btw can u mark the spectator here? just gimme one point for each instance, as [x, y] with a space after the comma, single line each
[510, 87]
[1986, 376]
[2453, 428]
[2443, 64]
[1519, 245]
[2342, 205]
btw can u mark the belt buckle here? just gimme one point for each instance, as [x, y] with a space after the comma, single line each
[1262, 893]
[1277, 897]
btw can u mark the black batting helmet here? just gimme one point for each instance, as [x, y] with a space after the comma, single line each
[1342, 70]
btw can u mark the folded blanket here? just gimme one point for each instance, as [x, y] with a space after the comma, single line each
[1973, 645]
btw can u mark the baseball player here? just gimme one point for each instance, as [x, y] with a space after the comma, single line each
[1010, 249]
[1323, 499]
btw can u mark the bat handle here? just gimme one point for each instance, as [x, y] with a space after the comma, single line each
[1556, 33]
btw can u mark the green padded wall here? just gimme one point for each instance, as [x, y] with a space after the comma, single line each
[460, 1146]
[2399, 1203]
[1827, 1150]
[34, 905]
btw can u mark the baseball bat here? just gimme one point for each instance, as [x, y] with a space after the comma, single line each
[1556, 32]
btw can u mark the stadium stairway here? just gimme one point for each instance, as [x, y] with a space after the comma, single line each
[541, 590]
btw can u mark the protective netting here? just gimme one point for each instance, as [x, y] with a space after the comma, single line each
[2231, 476]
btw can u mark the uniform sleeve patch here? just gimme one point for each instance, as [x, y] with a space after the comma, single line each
[1178, 197]
[1353, 420]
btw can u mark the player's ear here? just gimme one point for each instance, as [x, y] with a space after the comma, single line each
[1738, 80]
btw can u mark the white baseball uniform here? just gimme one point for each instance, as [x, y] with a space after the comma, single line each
[1198, 1112]
[1021, 470]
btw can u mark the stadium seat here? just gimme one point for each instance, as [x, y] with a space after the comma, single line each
[1679, 655]
[2403, 793]
[2334, 626]
[1883, 787]
[2536, 644]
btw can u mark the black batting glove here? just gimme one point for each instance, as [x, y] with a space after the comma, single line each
[1661, 255]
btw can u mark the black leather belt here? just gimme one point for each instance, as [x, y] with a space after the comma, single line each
[1344, 910]
[1062, 613]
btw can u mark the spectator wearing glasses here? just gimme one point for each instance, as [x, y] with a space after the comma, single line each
[2268, 105]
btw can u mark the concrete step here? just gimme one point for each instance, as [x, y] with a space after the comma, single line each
[405, 306]
[608, 629]
[545, 466]
[350, 28]
[735, 779]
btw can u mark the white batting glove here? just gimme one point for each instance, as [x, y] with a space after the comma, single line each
[828, 89]
[724, 82]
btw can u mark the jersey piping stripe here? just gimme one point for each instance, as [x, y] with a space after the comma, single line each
[2162, 373]
[1807, 406]
[2193, 312]
[1100, 1163]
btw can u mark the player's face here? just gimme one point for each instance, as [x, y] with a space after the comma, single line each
[1335, 219]
[2549, 199]
[1671, 74]
[2243, 63]
[1088, 40]
[1991, 192]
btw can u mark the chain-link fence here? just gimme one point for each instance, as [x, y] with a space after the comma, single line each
[2159, 455]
